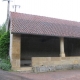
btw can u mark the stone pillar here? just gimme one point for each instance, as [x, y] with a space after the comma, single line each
[16, 48]
[62, 53]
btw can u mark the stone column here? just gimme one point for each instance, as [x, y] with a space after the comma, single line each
[62, 53]
[16, 48]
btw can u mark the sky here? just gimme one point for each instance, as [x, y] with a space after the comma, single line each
[62, 9]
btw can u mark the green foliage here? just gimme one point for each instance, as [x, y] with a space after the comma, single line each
[4, 45]
[5, 64]
[4, 49]
[2, 29]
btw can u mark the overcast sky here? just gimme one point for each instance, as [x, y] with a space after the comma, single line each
[63, 9]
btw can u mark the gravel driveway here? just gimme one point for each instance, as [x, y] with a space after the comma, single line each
[59, 75]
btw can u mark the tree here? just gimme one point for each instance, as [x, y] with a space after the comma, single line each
[2, 29]
[4, 45]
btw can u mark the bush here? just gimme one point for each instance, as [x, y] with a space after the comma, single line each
[5, 64]
[4, 45]
[4, 49]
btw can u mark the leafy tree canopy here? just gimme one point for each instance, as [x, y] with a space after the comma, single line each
[4, 45]
[2, 29]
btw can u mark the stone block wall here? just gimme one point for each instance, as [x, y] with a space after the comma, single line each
[44, 64]
[16, 49]
[41, 64]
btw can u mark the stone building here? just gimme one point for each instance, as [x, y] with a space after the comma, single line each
[41, 44]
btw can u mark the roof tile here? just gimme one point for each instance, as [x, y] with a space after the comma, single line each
[39, 25]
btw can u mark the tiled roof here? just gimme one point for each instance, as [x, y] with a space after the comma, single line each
[39, 25]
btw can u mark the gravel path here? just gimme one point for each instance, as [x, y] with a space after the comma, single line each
[59, 75]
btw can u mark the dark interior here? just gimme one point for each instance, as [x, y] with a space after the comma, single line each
[46, 46]
[72, 47]
[39, 46]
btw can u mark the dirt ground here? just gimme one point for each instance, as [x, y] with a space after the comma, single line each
[59, 75]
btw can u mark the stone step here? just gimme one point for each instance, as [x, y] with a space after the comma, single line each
[26, 69]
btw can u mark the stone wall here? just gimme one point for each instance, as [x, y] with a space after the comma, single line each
[16, 51]
[44, 64]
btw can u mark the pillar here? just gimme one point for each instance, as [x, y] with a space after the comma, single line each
[62, 53]
[10, 46]
[16, 48]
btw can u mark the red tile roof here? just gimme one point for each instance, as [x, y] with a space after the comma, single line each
[39, 25]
